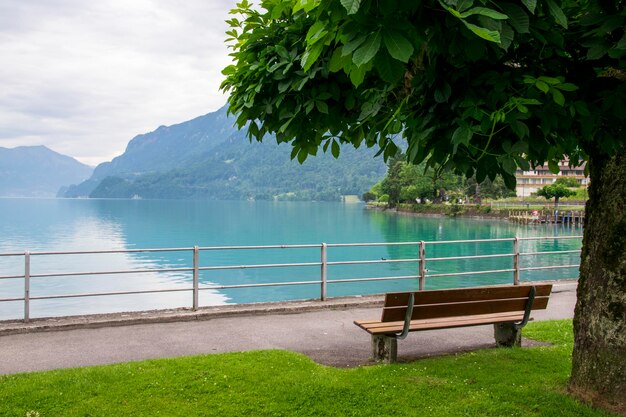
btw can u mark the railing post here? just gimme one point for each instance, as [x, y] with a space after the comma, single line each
[422, 256]
[195, 278]
[27, 286]
[516, 266]
[324, 272]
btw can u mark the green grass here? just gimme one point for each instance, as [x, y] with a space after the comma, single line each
[493, 382]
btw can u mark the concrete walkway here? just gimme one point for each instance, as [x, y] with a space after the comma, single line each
[326, 335]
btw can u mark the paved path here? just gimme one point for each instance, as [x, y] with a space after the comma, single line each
[328, 337]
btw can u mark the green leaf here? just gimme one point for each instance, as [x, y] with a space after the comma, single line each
[518, 18]
[294, 151]
[567, 87]
[490, 35]
[557, 13]
[521, 108]
[452, 11]
[311, 55]
[597, 51]
[483, 11]
[338, 61]
[530, 101]
[463, 5]
[509, 165]
[531, 5]
[581, 108]
[367, 51]
[307, 5]
[352, 44]
[302, 155]
[520, 129]
[357, 75]
[558, 97]
[506, 36]
[462, 135]
[231, 69]
[443, 94]
[321, 107]
[509, 180]
[351, 6]
[389, 69]
[335, 149]
[522, 163]
[542, 86]
[550, 80]
[316, 31]
[398, 46]
[553, 166]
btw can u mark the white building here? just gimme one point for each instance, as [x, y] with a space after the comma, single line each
[530, 181]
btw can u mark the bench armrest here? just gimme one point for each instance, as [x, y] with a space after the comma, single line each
[529, 306]
[407, 318]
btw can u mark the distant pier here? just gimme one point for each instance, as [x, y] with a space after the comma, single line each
[566, 217]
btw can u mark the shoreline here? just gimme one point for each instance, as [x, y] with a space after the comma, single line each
[444, 211]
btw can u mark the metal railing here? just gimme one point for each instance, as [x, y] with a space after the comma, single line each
[323, 282]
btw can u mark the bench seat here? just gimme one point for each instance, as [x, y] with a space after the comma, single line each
[379, 327]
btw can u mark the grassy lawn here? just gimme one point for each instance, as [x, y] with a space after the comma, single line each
[502, 382]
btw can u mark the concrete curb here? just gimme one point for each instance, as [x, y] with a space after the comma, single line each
[93, 321]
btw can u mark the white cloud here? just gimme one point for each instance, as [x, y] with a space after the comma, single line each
[83, 78]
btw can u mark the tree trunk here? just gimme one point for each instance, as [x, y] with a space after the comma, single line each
[599, 357]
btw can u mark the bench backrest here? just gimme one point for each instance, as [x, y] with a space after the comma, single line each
[464, 301]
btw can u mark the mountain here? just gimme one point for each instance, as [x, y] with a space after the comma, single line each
[208, 158]
[36, 171]
[166, 148]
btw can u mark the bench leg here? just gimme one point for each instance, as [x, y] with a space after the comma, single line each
[507, 335]
[384, 349]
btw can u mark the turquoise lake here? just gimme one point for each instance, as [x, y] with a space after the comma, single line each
[95, 225]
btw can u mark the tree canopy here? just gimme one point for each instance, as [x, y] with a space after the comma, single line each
[555, 191]
[475, 86]
[568, 182]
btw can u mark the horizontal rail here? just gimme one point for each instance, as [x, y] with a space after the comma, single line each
[129, 271]
[381, 261]
[12, 276]
[451, 258]
[374, 279]
[550, 237]
[347, 245]
[210, 248]
[446, 242]
[558, 252]
[101, 294]
[11, 299]
[493, 271]
[537, 268]
[97, 252]
[257, 266]
[265, 284]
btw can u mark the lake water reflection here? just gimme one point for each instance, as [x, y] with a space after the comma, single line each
[94, 225]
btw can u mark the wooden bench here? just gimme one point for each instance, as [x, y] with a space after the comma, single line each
[507, 307]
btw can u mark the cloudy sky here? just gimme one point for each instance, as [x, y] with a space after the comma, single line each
[85, 77]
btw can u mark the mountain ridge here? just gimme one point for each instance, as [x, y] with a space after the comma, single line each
[37, 171]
